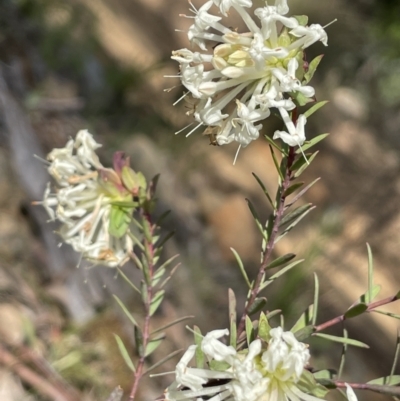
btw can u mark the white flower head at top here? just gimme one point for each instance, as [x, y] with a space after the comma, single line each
[237, 77]
[83, 201]
[265, 371]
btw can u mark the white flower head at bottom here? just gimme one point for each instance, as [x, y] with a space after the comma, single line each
[263, 372]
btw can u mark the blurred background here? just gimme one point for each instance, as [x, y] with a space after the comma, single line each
[98, 64]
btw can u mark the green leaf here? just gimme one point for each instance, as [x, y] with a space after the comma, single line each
[219, 366]
[153, 345]
[119, 221]
[124, 353]
[304, 333]
[386, 381]
[396, 355]
[162, 361]
[315, 108]
[125, 310]
[258, 305]
[293, 215]
[241, 267]
[300, 194]
[301, 99]
[389, 314]
[312, 67]
[293, 188]
[158, 275]
[125, 277]
[264, 328]
[343, 356]
[301, 19]
[375, 292]
[309, 144]
[249, 331]
[316, 299]
[273, 313]
[266, 193]
[280, 273]
[301, 170]
[274, 144]
[304, 320]
[232, 318]
[355, 310]
[342, 340]
[325, 374]
[301, 161]
[281, 260]
[291, 226]
[369, 295]
[138, 340]
[199, 355]
[257, 220]
[173, 323]
[156, 301]
[276, 163]
[308, 385]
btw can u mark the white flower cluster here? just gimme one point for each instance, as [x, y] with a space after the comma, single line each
[81, 203]
[247, 74]
[256, 375]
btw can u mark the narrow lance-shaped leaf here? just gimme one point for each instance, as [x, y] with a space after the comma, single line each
[281, 260]
[374, 293]
[125, 310]
[280, 273]
[152, 345]
[369, 294]
[266, 193]
[312, 67]
[241, 267]
[301, 170]
[304, 333]
[139, 340]
[232, 318]
[315, 108]
[199, 356]
[162, 361]
[293, 215]
[304, 320]
[276, 163]
[355, 310]
[291, 226]
[264, 328]
[312, 142]
[389, 314]
[293, 188]
[316, 299]
[125, 277]
[155, 303]
[258, 305]
[274, 144]
[387, 380]
[396, 355]
[173, 323]
[342, 340]
[343, 356]
[300, 194]
[257, 220]
[249, 331]
[124, 353]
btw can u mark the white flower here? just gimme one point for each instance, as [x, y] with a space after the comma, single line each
[260, 373]
[82, 202]
[296, 135]
[351, 396]
[238, 76]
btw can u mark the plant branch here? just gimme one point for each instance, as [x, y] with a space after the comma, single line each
[267, 253]
[149, 252]
[391, 390]
[341, 318]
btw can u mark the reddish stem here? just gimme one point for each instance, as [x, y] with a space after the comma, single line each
[271, 242]
[146, 329]
[341, 318]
